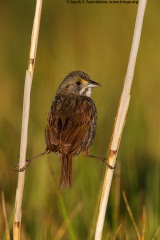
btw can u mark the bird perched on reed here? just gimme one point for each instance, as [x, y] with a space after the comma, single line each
[71, 125]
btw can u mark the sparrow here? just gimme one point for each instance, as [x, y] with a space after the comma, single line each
[71, 123]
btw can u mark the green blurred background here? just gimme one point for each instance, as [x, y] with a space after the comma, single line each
[94, 38]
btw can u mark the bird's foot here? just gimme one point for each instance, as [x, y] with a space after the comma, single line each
[109, 166]
[87, 154]
[24, 167]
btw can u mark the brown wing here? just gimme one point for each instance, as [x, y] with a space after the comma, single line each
[67, 128]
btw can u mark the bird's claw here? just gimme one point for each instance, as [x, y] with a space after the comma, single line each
[111, 167]
[24, 167]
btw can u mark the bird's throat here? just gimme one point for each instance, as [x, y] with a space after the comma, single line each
[86, 92]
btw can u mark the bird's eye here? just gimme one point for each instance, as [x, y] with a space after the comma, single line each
[78, 83]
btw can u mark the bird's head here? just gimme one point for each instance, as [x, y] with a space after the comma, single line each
[77, 82]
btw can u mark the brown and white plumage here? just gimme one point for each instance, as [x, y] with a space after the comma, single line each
[71, 125]
[71, 122]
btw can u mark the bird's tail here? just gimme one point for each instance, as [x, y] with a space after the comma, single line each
[66, 171]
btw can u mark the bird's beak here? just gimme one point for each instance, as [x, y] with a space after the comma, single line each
[92, 84]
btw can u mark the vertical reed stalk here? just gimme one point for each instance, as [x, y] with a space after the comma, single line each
[5, 217]
[120, 118]
[25, 119]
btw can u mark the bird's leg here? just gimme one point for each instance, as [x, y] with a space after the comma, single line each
[28, 161]
[87, 154]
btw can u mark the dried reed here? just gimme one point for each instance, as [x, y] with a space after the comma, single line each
[120, 118]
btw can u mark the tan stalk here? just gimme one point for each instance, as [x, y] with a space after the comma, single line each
[156, 233]
[118, 229]
[5, 217]
[25, 119]
[120, 118]
[63, 228]
[131, 216]
[144, 219]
